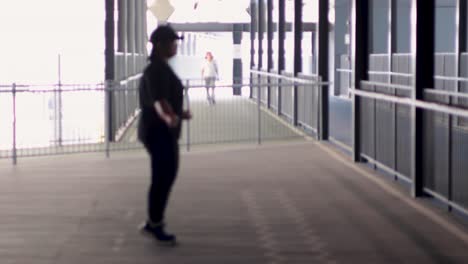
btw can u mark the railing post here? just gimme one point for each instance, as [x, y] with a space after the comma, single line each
[187, 100]
[108, 85]
[279, 94]
[60, 131]
[259, 114]
[318, 86]
[109, 69]
[374, 127]
[14, 153]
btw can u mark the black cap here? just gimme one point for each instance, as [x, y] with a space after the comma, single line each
[164, 33]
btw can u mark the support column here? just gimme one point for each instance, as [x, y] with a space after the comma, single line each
[281, 34]
[392, 33]
[141, 18]
[131, 36]
[189, 44]
[460, 48]
[297, 53]
[122, 26]
[360, 65]
[281, 49]
[138, 27]
[194, 44]
[109, 67]
[322, 58]
[269, 25]
[422, 51]
[122, 39]
[392, 44]
[314, 50]
[182, 48]
[461, 33]
[253, 30]
[261, 31]
[237, 59]
[270, 34]
[145, 27]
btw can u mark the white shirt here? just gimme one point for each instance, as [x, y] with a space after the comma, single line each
[210, 69]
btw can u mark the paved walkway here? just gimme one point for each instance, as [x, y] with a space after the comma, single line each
[231, 119]
[290, 203]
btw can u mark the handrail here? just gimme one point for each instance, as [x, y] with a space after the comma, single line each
[293, 79]
[412, 102]
[77, 89]
[446, 93]
[408, 75]
[242, 84]
[389, 85]
[99, 88]
[344, 70]
[52, 85]
[398, 74]
[131, 78]
[304, 75]
[451, 78]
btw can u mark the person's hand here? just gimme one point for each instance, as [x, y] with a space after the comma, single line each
[171, 120]
[187, 115]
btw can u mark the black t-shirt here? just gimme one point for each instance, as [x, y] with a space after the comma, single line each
[157, 83]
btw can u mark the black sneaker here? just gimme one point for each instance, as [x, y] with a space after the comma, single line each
[157, 231]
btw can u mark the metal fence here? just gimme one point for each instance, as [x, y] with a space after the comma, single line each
[386, 123]
[295, 99]
[386, 140]
[38, 120]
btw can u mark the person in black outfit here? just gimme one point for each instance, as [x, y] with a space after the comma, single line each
[161, 101]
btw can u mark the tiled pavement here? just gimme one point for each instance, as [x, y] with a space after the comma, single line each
[231, 119]
[282, 203]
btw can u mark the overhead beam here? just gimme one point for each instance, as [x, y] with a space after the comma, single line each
[228, 27]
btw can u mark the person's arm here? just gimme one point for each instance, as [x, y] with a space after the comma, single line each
[160, 93]
[165, 112]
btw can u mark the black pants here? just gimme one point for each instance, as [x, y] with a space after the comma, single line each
[164, 153]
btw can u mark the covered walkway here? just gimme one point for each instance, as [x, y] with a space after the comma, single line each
[280, 203]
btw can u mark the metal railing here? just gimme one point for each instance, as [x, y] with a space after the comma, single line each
[38, 120]
[386, 121]
[296, 99]
[386, 137]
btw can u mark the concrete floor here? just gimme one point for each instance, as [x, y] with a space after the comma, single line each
[231, 119]
[280, 203]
